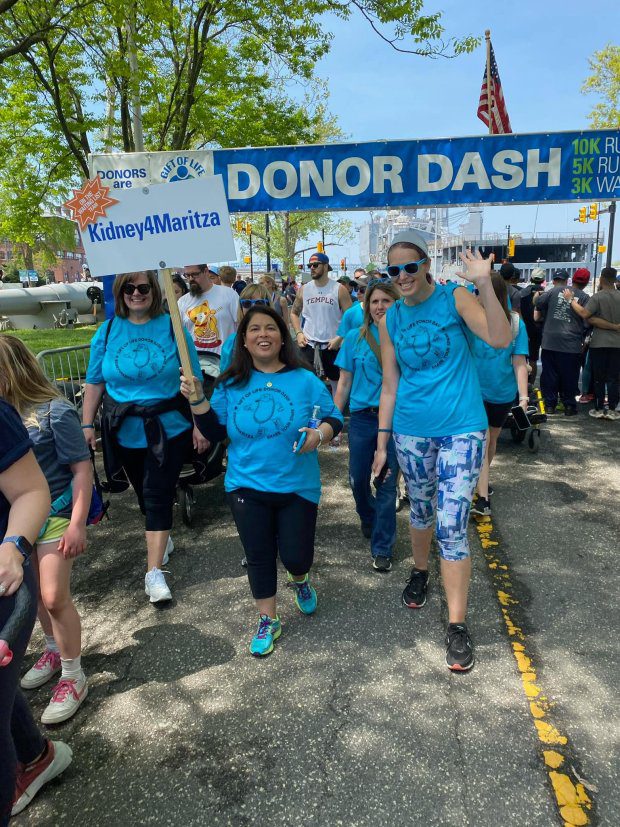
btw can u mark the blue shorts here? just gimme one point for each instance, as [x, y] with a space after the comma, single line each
[441, 475]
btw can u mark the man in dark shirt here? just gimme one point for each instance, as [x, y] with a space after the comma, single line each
[534, 329]
[511, 276]
[562, 345]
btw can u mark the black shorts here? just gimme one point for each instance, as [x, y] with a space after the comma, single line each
[497, 412]
[328, 358]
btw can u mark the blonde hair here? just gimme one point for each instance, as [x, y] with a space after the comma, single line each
[270, 281]
[254, 291]
[22, 382]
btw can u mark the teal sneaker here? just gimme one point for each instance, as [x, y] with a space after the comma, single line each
[305, 595]
[269, 630]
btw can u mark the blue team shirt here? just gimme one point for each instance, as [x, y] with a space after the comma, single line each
[263, 418]
[438, 390]
[227, 352]
[356, 357]
[494, 366]
[140, 364]
[351, 318]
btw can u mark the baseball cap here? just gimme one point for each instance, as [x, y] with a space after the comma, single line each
[320, 257]
[538, 275]
[508, 270]
[581, 276]
[344, 280]
[214, 269]
[561, 274]
[411, 237]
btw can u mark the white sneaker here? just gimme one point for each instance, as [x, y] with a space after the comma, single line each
[168, 551]
[47, 665]
[612, 414]
[66, 700]
[596, 414]
[156, 587]
[32, 777]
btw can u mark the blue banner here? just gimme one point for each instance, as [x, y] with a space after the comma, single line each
[491, 169]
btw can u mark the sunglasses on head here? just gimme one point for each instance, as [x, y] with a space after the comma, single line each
[130, 289]
[382, 280]
[246, 303]
[316, 263]
[410, 267]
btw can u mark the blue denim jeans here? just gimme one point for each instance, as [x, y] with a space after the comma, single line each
[379, 511]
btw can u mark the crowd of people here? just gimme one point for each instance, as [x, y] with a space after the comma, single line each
[424, 372]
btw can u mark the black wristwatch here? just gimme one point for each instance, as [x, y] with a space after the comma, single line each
[23, 545]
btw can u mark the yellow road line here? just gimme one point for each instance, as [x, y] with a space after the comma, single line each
[574, 804]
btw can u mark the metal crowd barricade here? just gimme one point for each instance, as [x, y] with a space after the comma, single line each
[66, 368]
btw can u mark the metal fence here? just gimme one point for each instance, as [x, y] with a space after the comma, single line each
[66, 368]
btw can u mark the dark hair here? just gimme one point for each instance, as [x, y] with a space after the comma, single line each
[121, 309]
[387, 287]
[501, 291]
[177, 278]
[241, 366]
[609, 275]
[406, 245]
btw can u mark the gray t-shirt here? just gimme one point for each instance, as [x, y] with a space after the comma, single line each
[563, 330]
[606, 305]
[58, 443]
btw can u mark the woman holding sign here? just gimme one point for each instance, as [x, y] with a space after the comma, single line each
[276, 413]
[146, 423]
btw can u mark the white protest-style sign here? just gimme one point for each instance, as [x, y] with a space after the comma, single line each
[155, 227]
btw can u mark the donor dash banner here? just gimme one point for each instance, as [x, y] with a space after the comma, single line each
[491, 169]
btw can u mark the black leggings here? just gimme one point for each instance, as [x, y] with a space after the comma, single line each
[20, 739]
[154, 486]
[270, 524]
[606, 369]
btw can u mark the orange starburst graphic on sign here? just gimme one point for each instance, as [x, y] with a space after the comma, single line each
[90, 202]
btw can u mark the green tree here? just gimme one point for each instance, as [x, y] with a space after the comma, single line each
[605, 82]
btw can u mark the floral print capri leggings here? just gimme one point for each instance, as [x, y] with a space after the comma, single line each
[441, 474]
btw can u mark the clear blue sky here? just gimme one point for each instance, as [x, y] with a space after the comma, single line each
[542, 50]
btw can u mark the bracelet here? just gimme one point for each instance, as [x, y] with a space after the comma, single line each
[524, 399]
[84, 427]
[199, 402]
[320, 433]
[385, 430]
[298, 332]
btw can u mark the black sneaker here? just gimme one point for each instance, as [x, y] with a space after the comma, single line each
[490, 490]
[460, 651]
[380, 563]
[367, 530]
[414, 594]
[244, 563]
[570, 411]
[481, 506]
[550, 409]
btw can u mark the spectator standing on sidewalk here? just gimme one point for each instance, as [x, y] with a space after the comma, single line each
[533, 329]
[603, 306]
[562, 344]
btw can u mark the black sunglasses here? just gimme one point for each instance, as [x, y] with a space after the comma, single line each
[247, 303]
[316, 264]
[361, 290]
[130, 289]
[411, 267]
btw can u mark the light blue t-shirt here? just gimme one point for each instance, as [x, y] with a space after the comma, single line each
[356, 357]
[227, 352]
[263, 418]
[494, 365]
[140, 364]
[352, 318]
[438, 390]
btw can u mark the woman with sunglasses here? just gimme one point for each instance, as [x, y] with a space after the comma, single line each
[431, 403]
[146, 423]
[264, 403]
[359, 360]
[254, 295]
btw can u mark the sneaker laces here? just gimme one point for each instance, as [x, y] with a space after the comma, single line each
[264, 627]
[458, 635]
[418, 577]
[48, 658]
[62, 690]
[303, 589]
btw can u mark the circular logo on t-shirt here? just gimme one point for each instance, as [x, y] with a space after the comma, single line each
[263, 412]
[369, 366]
[423, 345]
[140, 359]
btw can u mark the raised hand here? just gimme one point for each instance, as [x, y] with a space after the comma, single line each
[477, 268]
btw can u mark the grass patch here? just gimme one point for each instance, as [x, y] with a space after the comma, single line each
[38, 340]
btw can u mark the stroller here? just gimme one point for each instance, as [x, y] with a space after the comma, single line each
[203, 467]
[536, 415]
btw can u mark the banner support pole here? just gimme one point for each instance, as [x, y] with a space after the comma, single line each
[165, 275]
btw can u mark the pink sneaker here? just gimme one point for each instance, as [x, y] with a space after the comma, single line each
[66, 700]
[45, 668]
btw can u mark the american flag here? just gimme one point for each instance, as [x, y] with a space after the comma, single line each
[500, 122]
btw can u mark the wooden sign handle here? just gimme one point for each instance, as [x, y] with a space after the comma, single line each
[177, 327]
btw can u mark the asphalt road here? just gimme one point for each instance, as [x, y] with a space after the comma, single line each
[355, 720]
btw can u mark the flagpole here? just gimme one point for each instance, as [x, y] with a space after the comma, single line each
[487, 35]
